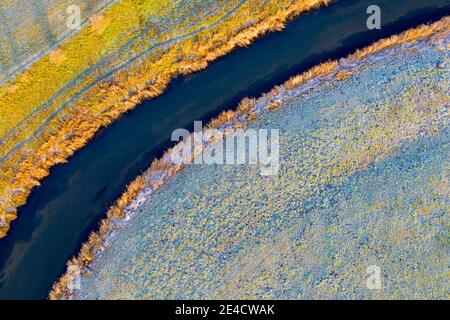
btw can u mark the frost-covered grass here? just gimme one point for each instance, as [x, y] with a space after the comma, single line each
[363, 181]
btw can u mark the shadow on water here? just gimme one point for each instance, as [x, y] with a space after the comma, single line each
[61, 213]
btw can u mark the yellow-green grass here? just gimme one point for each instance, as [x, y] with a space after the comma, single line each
[29, 29]
[36, 85]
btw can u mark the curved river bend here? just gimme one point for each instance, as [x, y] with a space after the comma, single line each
[61, 213]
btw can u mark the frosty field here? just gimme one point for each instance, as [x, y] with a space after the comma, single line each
[363, 182]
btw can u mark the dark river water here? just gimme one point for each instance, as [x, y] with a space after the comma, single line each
[61, 213]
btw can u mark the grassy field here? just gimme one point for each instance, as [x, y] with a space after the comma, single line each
[30, 29]
[363, 122]
[125, 54]
[363, 181]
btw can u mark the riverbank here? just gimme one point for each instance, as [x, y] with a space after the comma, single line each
[27, 157]
[161, 170]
